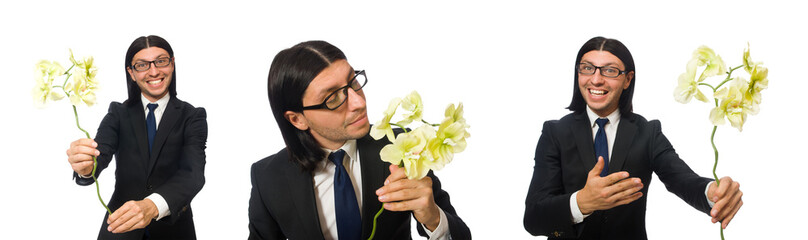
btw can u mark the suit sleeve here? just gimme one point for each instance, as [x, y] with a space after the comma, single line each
[674, 172]
[262, 224]
[180, 189]
[547, 206]
[457, 228]
[107, 139]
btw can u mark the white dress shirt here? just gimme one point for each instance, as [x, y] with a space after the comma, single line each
[324, 192]
[611, 132]
[159, 201]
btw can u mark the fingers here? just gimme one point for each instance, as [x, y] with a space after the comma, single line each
[597, 169]
[406, 205]
[128, 217]
[623, 189]
[396, 173]
[80, 155]
[631, 198]
[723, 187]
[114, 219]
[405, 189]
[84, 142]
[725, 208]
[729, 218]
[611, 179]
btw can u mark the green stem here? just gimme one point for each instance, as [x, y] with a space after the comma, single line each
[715, 165]
[715, 150]
[430, 124]
[373, 232]
[95, 163]
[399, 126]
[68, 74]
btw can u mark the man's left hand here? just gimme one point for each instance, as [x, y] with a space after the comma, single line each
[727, 198]
[132, 215]
[402, 194]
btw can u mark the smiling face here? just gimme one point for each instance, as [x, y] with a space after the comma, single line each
[154, 82]
[331, 128]
[602, 94]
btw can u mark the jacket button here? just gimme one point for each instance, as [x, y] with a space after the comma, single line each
[149, 187]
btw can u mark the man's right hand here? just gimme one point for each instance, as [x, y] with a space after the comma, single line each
[80, 155]
[601, 193]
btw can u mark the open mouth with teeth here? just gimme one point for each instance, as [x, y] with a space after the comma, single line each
[155, 82]
[598, 92]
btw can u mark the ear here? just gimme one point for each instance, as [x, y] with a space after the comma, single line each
[131, 73]
[297, 119]
[629, 78]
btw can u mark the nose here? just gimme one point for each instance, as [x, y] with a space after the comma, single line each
[153, 69]
[597, 78]
[355, 100]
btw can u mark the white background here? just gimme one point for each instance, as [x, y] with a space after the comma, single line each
[510, 63]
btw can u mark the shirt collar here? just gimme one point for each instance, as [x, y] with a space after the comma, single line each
[349, 147]
[161, 103]
[613, 117]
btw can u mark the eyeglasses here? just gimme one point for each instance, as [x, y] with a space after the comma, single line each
[606, 71]
[145, 65]
[339, 96]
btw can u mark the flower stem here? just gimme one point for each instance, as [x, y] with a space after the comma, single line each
[715, 165]
[95, 163]
[68, 74]
[399, 126]
[373, 232]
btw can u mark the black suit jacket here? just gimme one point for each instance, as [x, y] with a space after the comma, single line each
[174, 169]
[282, 202]
[564, 157]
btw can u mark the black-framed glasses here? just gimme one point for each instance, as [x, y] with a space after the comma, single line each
[145, 65]
[606, 71]
[339, 96]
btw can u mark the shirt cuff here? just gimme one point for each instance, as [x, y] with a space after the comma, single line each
[442, 231]
[162, 206]
[577, 216]
[91, 176]
[706, 189]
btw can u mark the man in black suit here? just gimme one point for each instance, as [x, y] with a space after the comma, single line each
[329, 181]
[160, 168]
[574, 195]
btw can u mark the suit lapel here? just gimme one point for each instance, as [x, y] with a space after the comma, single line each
[301, 193]
[167, 122]
[138, 120]
[374, 171]
[582, 130]
[622, 142]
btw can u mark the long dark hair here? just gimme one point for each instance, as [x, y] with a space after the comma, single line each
[619, 50]
[289, 75]
[140, 44]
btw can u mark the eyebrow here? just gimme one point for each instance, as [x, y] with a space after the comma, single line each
[158, 56]
[610, 64]
[324, 93]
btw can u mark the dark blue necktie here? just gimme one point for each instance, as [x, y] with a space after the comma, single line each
[151, 124]
[602, 146]
[349, 223]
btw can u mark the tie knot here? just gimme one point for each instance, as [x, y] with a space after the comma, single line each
[151, 106]
[336, 157]
[601, 122]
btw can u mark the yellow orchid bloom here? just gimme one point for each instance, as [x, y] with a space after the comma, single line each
[748, 64]
[382, 127]
[413, 104]
[408, 149]
[705, 56]
[45, 73]
[688, 87]
[732, 105]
